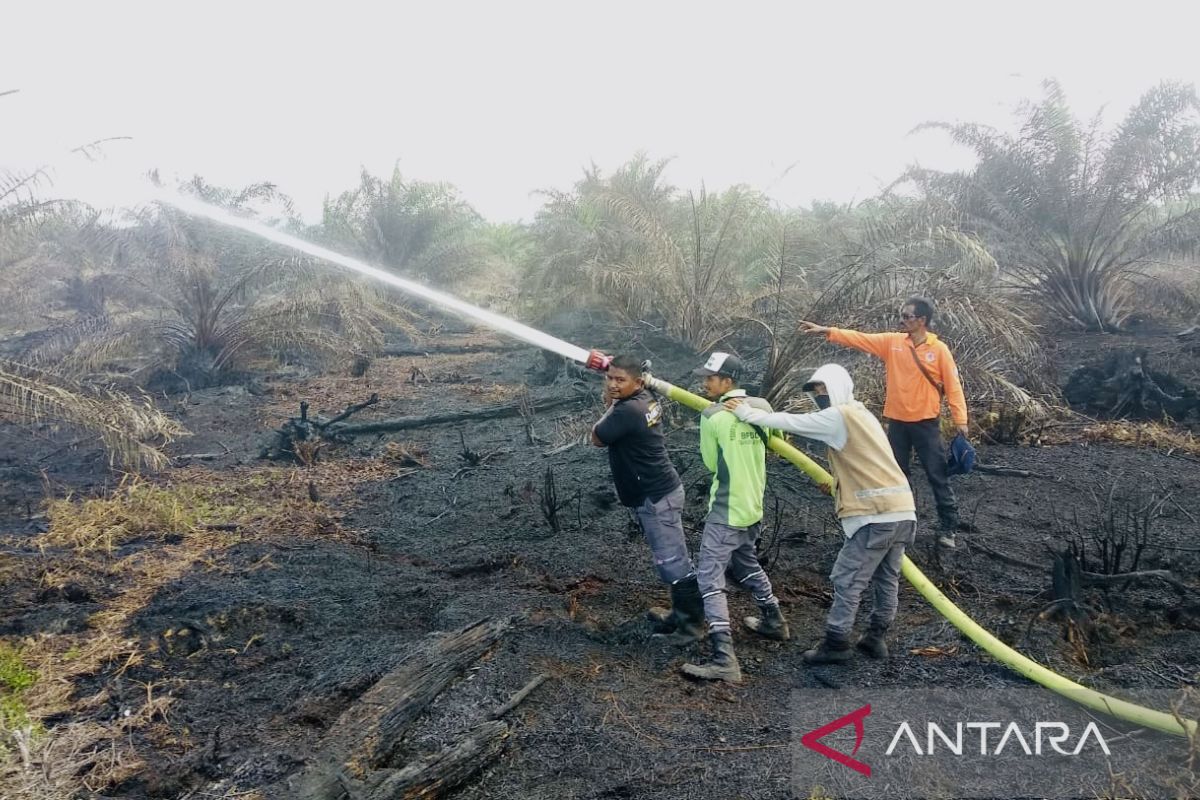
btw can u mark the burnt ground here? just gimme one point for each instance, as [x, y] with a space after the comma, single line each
[282, 626]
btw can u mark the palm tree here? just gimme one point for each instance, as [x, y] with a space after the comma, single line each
[211, 299]
[577, 238]
[128, 428]
[420, 230]
[695, 254]
[643, 249]
[863, 262]
[505, 250]
[1073, 215]
[76, 264]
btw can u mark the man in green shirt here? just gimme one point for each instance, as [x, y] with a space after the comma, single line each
[735, 452]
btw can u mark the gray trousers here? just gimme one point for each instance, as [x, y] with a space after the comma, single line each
[662, 525]
[724, 546]
[871, 557]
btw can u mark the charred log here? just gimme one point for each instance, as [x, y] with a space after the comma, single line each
[368, 737]
[439, 774]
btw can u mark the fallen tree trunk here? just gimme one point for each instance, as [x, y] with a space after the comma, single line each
[453, 349]
[368, 735]
[487, 412]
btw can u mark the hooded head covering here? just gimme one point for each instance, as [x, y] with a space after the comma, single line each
[837, 382]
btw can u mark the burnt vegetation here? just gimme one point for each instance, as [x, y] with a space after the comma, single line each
[267, 529]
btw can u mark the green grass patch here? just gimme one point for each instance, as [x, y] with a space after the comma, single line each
[15, 678]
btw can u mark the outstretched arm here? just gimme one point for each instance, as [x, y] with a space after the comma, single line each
[874, 343]
[825, 426]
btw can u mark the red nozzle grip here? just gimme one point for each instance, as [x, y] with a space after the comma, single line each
[598, 361]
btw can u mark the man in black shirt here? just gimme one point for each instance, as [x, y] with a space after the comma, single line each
[646, 482]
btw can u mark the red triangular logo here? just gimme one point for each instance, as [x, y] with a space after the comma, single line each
[811, 740]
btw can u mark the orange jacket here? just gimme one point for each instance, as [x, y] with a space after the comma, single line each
[910, 397]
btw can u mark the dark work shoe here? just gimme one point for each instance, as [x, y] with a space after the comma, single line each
[723, 666]
[874, 643]
[685, 634]
[829, 651]
[686, 617]
[771, 624]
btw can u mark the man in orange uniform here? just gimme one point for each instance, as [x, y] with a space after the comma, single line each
[920, 373]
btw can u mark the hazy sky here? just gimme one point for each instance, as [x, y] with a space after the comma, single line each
[505, 98]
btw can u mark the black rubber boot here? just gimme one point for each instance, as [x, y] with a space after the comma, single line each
[662, 620]
[947, 528]
[771, 624]
[666, 620]
[723, 666]
[833, 649]
[687, 612]
[874, 642]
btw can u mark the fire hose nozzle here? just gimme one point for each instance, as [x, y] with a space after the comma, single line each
[598, 361]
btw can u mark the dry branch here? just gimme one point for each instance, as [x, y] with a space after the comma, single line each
[1007, 559]
[452, 349]
[350, 409]
[1164, 575]
[1006, 472]
[1097, 578]
[1125, 385]
[300, 438]
[518, 697]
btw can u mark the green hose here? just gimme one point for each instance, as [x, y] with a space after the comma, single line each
[1122, 709]
[777, 443]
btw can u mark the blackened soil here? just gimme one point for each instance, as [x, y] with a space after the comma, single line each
[283, 633]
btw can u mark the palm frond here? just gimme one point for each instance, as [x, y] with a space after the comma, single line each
[132, 430]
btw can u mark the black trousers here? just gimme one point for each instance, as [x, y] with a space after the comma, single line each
[926, 438]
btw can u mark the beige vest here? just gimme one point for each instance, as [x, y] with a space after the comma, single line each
[868, 479]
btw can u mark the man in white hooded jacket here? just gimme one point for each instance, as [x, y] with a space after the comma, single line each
[874, 504]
